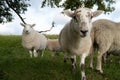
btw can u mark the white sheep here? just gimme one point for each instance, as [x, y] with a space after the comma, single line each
[75, 37]
[53, 45]
[32, 40]
[106, 38]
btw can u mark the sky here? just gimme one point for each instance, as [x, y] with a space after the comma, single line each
[43, 18]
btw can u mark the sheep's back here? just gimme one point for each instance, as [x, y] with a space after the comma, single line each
[107, 35]
[40, 41]
[53, 44]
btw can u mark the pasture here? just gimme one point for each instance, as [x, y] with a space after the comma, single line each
[16, 64]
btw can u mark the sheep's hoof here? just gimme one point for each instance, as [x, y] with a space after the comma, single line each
[99, 72]
[65, 61]
[73, 71]
[90, 67]
[83, 78]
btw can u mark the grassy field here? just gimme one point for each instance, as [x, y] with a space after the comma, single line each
[16, 64]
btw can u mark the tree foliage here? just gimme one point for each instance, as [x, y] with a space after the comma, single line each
[105, 5]
[20, 6]
[6, 7]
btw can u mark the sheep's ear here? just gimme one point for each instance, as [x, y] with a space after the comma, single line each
[97, 13]
[33, 25]
[68, 13]
[22, 24]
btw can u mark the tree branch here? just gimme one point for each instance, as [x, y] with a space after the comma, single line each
[49, 29]
[15, 11]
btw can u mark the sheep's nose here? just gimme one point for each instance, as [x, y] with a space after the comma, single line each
[84, 32]
[27, 31]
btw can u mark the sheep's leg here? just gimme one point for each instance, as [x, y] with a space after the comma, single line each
[30, 52]
[73, 60]
[82, 66]
[53, 53]
[65, 58]
[105, 58]
[99, 62]
[91, 58]
[42, 53]
[35, 53]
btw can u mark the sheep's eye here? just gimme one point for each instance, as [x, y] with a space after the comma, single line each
[75, 18]
[89, 15]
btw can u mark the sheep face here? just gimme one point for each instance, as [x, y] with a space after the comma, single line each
[82, 18]
[27, 28]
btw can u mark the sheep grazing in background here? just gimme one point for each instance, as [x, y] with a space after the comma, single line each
[106, 36]
[75, 37]
[32, 40]
[53, 45]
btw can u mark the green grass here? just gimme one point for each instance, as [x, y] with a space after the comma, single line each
[16, 64]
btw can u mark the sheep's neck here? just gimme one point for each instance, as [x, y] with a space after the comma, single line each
[75, 39]
[118, 24]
